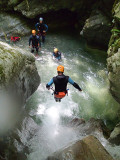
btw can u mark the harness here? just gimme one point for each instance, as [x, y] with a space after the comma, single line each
[41, 28]
[41, 34]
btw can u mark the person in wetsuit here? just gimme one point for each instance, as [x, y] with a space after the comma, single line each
[34, 42]
[56, 54]
[60, 82]
[42, 28]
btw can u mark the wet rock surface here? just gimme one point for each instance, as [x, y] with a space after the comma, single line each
[18, 71]
[13, 145]
[97, 29]
[113, 61]
[93, 126]
[11, 25]
[115, 135]
[19, 79]
[88, 148]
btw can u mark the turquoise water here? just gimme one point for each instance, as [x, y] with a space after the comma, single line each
[47, 118]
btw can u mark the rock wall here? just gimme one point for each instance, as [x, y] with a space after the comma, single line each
[113, 61]
[33, 8]
[19, 79]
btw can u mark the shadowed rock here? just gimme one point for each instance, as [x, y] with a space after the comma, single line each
[11, 25]
[97, 29]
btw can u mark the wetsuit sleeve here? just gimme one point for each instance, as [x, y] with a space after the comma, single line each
[30, 39]
[74, 84]
[46, 27]
[36, 26]
[49, 83]
[70, 81]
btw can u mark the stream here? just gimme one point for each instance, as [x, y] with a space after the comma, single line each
[43, 127]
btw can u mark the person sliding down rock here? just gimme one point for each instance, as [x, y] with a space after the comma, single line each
[60, 82]
[56, 54]
[41, 28]
[34, 42]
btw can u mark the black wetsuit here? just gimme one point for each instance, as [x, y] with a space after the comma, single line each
[35, 42]
[61, 82]
[40, 27]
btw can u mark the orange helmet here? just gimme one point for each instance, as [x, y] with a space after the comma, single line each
[60, 68]
[33, 31]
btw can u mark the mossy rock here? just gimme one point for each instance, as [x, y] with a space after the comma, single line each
[16, 65]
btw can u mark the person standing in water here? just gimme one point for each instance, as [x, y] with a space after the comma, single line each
[60, 82]
[56, 54]
[42, 28]
[34, 42]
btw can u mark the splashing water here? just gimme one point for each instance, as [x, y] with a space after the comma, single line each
[48, 118]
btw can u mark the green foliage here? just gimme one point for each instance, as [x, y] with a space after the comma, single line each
[115, 30]
[116, 45]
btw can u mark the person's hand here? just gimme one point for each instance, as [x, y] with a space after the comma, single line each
[44, 31]
[48, 88]
[38, 30]
[39, 49]
[29, 46]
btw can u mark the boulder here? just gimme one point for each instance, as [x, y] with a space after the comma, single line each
[11, 25]
[113, 61]
[19, 79]
[88, 148]
[18, 72]
[97, 30]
